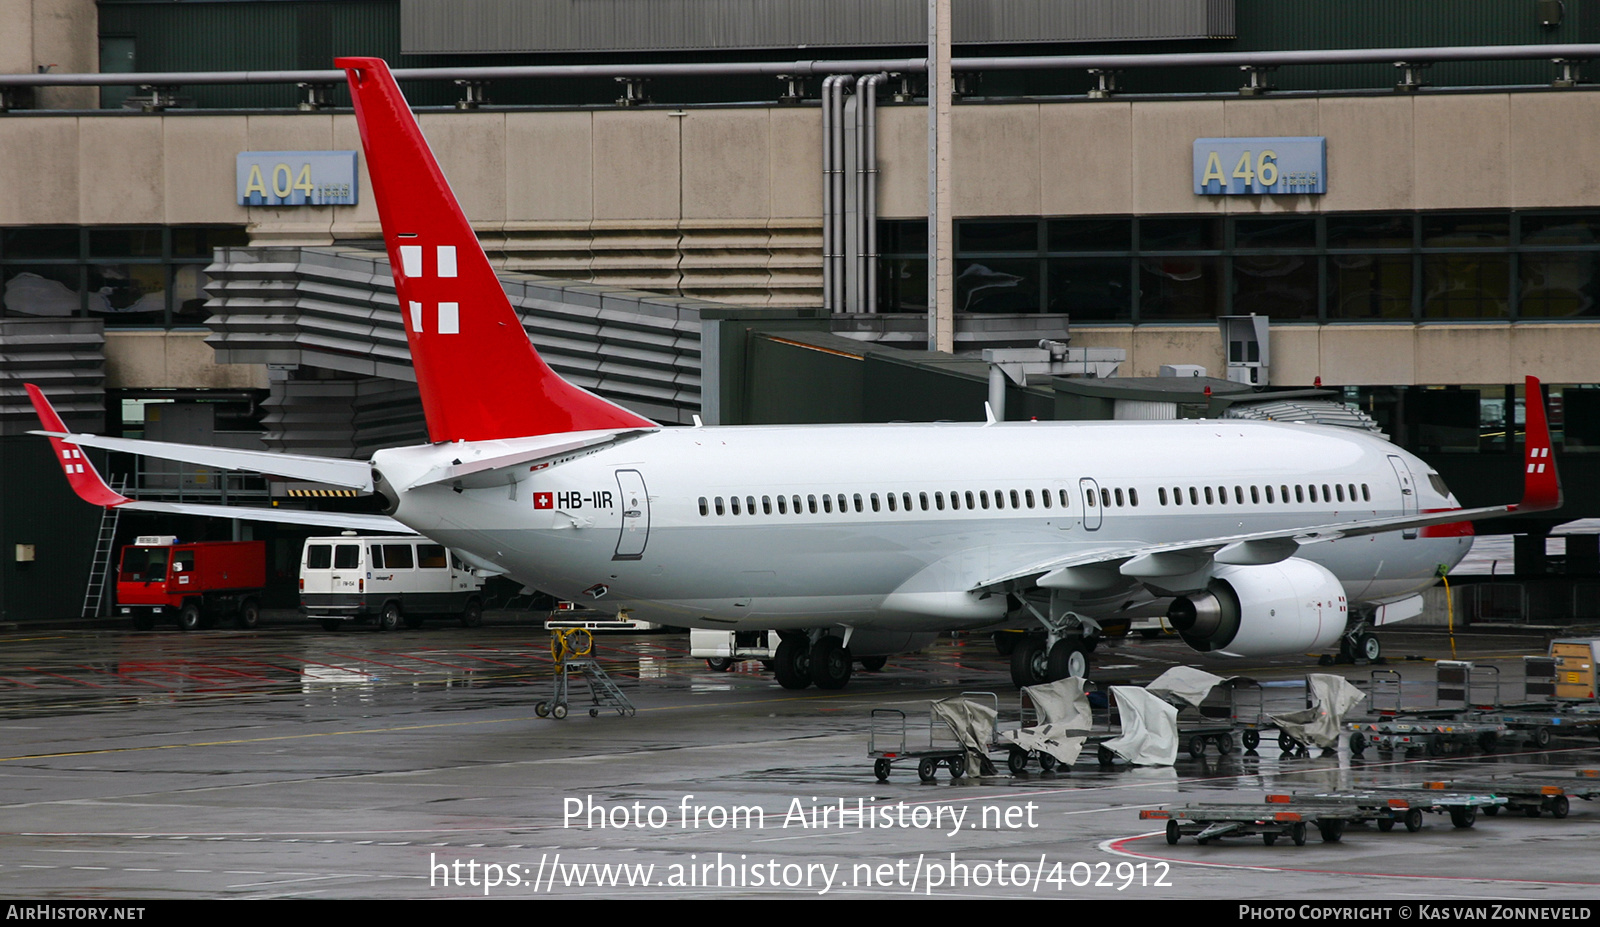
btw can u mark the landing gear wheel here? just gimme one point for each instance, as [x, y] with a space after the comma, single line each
[328, 624]
[542, 709]
[249, 615]
[720, 664]
[1048, 762]
[1369, 648]
[389, 619]
[873, 664]
[1017, 761]
[830, 663]
[1463, 817]
[1090, 642]
[1252, 739]
[880, 768]
[558, 712]
[1068, 658]
[927, 768]
[190, 619]
[792, 665]
[1413, 820]
[957, 766]
[1331, 831]
[472, 615]
[1173, 834]
[1005, 642]
[1559, 806]
[1029, 664]
[1297, 833]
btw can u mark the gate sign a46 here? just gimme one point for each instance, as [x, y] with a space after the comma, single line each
[1286, 165]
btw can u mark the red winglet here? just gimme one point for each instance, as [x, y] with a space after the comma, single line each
[81, 474]
[1541, 487]
[479, 376]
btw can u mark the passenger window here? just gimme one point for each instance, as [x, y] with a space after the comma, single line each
[969, 500]
[1161, 494]
[812, 504]
[733, 504]
[396, 556]
[1119, 497]
[1365, 495]
[1299, 493]
[796, 500]
[431, 557]
[1208, 496]
[1326, 496]
[859, 506]
[783, 505]
[999, 499]
[750, 504]
[1194, 496]
[766, 505]
[1255, 495]
[827, 504]
[705, 507]
[1133, 497]
[1339, 490]
[905, 498]
[983, 498]
[923, 497]
[1238, 494]
[874, 498]
[1044, 496]
[1014, 499]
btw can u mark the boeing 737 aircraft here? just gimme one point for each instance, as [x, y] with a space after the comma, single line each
[857, 541]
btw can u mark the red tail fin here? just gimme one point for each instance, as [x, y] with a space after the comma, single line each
[84, 479]
[1541, 485]
[479, 376]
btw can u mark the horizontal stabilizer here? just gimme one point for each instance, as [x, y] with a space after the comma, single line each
[486, 457]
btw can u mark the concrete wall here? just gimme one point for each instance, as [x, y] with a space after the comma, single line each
[724, 203]
[59, 34]
[173, 360]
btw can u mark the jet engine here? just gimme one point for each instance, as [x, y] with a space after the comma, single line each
[1248, 611]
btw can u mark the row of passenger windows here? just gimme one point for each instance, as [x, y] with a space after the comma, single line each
[1196, 495]
[827, 503]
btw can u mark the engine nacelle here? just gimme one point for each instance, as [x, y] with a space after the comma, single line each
[1254, 611]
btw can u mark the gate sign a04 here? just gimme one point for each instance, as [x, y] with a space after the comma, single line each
[296, 178]
[1291, 165]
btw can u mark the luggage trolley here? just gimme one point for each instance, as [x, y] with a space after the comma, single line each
[1055, 723]
[888, 738]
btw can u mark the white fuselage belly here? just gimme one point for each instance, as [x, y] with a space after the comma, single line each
[667, 562]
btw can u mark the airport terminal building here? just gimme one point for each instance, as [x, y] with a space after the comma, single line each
[1417, 231]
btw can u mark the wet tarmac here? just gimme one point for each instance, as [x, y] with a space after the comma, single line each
[288, 762]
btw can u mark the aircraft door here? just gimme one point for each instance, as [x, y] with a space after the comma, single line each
[1089, 492]
[635, 516]
[1408, 492]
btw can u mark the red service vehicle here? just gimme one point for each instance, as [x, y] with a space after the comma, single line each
[194, 583]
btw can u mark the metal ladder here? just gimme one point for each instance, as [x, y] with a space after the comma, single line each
[94, 593]
[604, 692]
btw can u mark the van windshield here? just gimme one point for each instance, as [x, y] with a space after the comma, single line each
[143, 565]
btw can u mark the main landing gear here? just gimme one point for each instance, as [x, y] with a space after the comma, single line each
[1035, 661]
[825, 662]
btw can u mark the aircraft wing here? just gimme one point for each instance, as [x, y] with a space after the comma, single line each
[86, 481]
[1097, 569]
[354, 474]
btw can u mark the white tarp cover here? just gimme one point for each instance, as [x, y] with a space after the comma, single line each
[1186, 683]
[1149, 728]
[1332, 697]
[1062, 707]
[972, 724]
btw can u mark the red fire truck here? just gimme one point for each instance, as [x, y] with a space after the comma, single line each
[195, 583]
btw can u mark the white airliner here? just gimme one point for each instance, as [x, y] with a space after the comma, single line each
[857, 541]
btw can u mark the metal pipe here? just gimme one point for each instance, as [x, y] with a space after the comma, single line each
[815, 67]
[869, 210]
[829, 178]
[834, 298]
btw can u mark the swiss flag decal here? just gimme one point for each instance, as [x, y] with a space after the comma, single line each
[543, 500]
